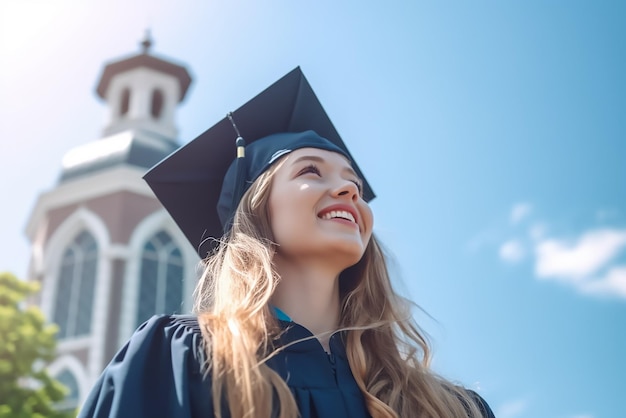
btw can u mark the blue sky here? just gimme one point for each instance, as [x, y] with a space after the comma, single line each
[493, 133]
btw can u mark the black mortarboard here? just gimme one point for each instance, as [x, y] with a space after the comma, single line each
[189, 182]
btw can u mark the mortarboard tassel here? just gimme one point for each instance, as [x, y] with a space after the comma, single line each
[240, 178]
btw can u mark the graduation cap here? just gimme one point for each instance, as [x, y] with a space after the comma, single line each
[202, 182]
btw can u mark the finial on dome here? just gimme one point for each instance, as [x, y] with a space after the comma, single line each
[147, 42]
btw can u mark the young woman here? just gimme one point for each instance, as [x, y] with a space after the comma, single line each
[295, 313]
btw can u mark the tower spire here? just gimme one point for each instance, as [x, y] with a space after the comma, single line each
[146, 43]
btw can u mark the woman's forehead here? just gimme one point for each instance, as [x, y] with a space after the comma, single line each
[318, 155]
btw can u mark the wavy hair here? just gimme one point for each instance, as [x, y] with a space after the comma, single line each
[387, 352]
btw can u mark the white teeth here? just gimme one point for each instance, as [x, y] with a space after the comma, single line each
[339, 214]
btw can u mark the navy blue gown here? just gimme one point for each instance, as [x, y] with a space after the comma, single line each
[159, 373]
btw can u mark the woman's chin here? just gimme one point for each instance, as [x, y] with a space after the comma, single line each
[342, 253]
[345, 253]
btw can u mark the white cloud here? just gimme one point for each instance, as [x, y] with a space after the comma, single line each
[586, 263]
[512, 251]
[512, 409]
[613, 284]
[574, 261]
[519, 212]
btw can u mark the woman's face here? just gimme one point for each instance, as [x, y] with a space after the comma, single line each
[316, 208]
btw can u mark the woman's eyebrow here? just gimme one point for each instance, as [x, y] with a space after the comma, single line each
[319, 159]
[309, 158]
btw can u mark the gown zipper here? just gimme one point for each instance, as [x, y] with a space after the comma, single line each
[333, 364]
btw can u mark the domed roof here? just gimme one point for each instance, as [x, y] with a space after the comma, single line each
[138, 149]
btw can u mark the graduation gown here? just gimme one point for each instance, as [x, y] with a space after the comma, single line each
[159, 373]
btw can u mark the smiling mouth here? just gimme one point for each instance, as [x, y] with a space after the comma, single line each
[338, 214]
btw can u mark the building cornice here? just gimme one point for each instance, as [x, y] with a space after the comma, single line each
[118, 179]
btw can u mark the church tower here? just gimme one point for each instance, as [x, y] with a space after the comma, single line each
[105, 252]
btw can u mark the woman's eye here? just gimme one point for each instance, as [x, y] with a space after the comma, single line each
[310, 169]
[359, 186]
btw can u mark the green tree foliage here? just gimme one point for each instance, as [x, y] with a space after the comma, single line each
[27, 345]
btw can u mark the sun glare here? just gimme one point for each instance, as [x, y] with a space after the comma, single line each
[27, 24]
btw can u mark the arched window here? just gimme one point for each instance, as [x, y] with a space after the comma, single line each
[75, 289]
[157, 103]
[125, 103]
[70, 403]
[161, 281]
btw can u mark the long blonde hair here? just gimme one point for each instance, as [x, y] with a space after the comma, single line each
[388, 355]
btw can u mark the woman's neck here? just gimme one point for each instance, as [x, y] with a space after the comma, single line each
[309, 295]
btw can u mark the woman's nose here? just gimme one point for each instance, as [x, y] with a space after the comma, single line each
[346, 188]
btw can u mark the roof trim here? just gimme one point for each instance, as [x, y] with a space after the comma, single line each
[144, 60]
